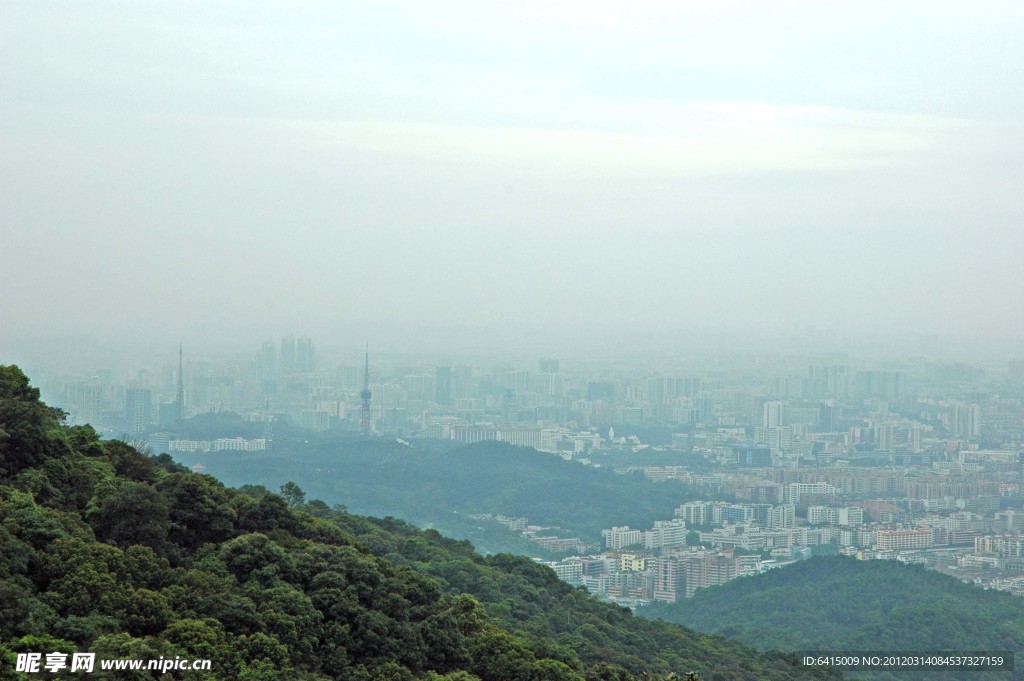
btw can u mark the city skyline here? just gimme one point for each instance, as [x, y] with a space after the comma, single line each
[785, 456]
[295, 377]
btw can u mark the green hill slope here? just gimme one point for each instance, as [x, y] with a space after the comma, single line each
[105, 550]
[839, 603]
[436, 485]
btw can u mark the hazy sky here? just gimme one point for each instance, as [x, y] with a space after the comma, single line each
[237, 168]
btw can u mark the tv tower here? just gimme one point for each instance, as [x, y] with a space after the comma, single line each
[179, 399]
[366, 394]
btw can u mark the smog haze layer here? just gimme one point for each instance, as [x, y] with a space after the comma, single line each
[466, 173]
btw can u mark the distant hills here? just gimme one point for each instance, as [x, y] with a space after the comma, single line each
[840, 603]
[434, 484]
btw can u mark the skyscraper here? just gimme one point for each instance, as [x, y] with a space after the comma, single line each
[443, 385]
[549, 376]
[287, 360]
[266, 363]
[138, 409]
[305, 355]
[509, 407]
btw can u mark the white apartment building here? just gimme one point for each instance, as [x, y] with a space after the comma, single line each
[821, 515]
[897, 540]
[783, 515]
[666, 534]
[620, 537]
[795, 490]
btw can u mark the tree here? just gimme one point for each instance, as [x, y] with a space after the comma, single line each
[200, 638]
[144, 569]
[128, 462]
[134, 513]
[262, 647]
[146, 613]
[21, 612]
[293, 494]
[553, 670]
[270, 512]
[199, 509]
[27, 426]
[255, 555]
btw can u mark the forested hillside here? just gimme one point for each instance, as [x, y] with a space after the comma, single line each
[432, 485]
[105, 550]
[839, 603]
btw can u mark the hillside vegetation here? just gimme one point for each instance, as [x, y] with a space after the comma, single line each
[840, 603]
[432, 484]
[105, 550]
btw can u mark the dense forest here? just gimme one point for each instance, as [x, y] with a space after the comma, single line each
[439, 486]
[106, 550]
[840, 603]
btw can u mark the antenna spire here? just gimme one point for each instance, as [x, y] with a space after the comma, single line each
[180, 396]
[365, 395]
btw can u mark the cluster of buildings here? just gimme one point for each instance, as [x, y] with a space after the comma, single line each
[707, 543]
[632, 579]
[535, 533]
[917, 459]
[786, 411]
[711, 542]
[961, 517]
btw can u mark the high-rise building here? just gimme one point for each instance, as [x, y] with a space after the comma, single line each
[709, 570]
[443, 385]
[621, 537]
[266, 366]
[518, 381]
[706, 407]
[549, 366]
[965, 420]
[305, 355]
[669, 579]
[772, 414]
[86, 400]
[666, 534]
[753, 455]
[783, 515]
[167, 415]
[827, 415]
[550, 378]
[656, 389]
[695, 513]
[138, 409]
[886, 385]
[601, 390]
[287, 360]
[778, 438]
[509, 407]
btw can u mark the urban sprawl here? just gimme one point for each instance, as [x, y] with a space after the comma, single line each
[914, 460]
